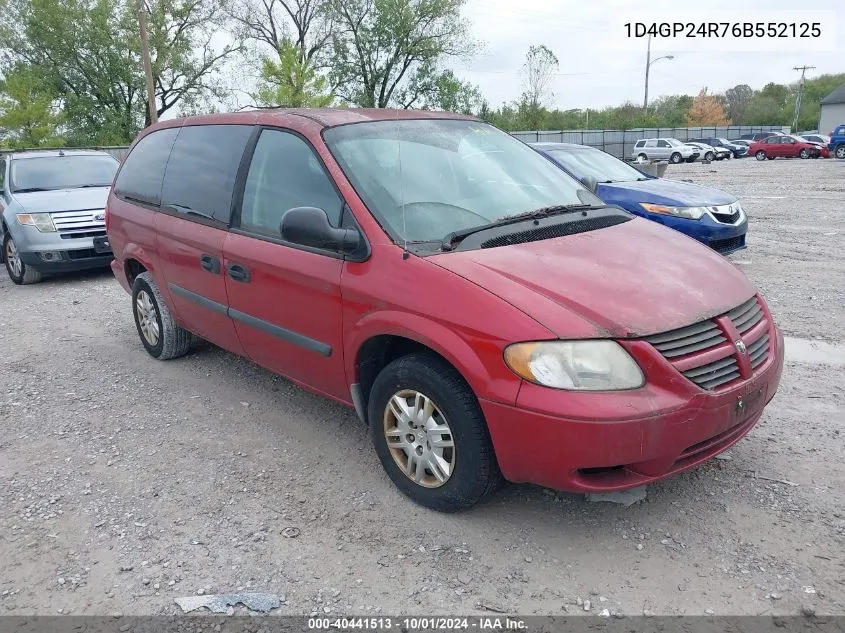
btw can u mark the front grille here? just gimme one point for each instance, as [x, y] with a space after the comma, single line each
[747, 315]
[555, 230]
[84, 253]
[78, 234]
[726, 218]
[74, 223]
[728, 244]
[703, 353]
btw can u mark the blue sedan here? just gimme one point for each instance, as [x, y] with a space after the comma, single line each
[709, 215]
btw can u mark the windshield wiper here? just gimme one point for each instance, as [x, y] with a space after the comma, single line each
[453, 238]
[89, 186]
[181, 208]
[30, 190]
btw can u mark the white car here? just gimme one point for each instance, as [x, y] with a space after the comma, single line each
[709, 152]
[670, 149]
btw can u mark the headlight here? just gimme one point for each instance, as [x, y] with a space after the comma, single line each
[575, 365]
[691, 213]
[41, 221]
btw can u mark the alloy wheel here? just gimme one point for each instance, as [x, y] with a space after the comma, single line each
[13, 258]
[147, 317]
[419, 438]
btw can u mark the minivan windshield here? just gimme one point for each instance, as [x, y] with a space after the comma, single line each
[47, 173]
[583, 162]
[425, 179]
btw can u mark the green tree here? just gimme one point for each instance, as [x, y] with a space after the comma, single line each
[90, 50]
[291, 81]
[28, 113]
[384, 51]
[737, 101]
[431, 89]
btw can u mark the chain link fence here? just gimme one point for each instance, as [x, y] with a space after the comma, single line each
[620, 143]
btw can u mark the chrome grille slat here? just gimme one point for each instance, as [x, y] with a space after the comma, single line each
[67, 222]
[697, 338]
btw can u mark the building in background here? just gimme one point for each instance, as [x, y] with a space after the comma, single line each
[832, 111]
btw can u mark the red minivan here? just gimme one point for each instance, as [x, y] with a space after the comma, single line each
[485, 314]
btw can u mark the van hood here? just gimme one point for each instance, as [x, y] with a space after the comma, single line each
[63, 200]
[632, 279]
[663, 191]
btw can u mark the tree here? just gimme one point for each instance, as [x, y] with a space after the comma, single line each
[90, 50]
[385, 52]
[431, 89]
[28, 113]
[540, 64]
[292, 81]
[706, 110]
[738, 98]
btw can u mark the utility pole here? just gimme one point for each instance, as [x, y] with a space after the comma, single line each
[648, 62]
[647, 66]
[148, 67]
[803, 70]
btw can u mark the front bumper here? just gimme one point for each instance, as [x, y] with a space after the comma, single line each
[724, 238]
[74, 260]
[56, 252]
[632, 438]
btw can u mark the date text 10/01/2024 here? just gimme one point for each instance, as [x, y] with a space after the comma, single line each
[724, 29]
[418, 623]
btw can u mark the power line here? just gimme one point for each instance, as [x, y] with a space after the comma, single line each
[803, 70]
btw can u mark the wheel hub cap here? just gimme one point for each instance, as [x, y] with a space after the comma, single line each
[147, 317]
[419, 438]
[14, 258]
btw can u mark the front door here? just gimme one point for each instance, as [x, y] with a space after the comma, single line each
[285, 300]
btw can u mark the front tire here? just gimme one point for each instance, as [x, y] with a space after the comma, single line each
[675, 158]
[804, 154]
[839, 152]
[760, 155]
[430, 434]
[19, 272]
[161, 336]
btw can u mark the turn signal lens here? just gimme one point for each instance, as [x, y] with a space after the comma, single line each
[41, 221]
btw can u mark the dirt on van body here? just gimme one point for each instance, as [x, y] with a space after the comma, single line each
[126, 482]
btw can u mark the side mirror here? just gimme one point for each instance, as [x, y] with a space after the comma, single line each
[309, 226]
[590, 183]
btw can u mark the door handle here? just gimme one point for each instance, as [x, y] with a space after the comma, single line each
[238, 272]
[211, 264]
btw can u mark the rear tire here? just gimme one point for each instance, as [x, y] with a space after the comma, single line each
[19, 272]
[760, 155]
[161, 336]
[709, 156]
[675, 158]
[445, 401]
[642, 158]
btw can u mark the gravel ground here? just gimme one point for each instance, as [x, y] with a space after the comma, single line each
[126, 482]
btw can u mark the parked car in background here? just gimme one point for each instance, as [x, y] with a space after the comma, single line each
[816, 138]
[742, 143]
[836, 146]
[708, 215]
[757, 136]
[736, 150]
[708, 152]
[53, 212]
[399, 262]
[783, 146]
[670, 149]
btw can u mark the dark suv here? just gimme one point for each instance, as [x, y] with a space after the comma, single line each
[757, 136]
[837, 142]
[736, 150]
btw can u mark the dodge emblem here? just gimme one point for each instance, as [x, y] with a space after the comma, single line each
[740, 346]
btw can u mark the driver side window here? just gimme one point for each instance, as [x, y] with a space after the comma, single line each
[285, 173]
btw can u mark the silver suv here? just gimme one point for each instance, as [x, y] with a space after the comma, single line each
[670, 149]
[53, 212]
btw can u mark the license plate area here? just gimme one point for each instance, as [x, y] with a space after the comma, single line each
[101, 245]
[748, 404]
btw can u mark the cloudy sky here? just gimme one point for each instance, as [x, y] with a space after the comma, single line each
[600, 67]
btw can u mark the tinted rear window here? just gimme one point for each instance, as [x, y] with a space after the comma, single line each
[139, 179]
[201, 172]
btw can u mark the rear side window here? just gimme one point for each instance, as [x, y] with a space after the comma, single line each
[651, 143]
[841, 131]
[201, 172]
[2, 174]
[640, 144]
[139, 180]
[285, 174]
